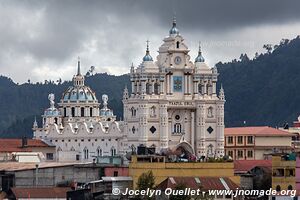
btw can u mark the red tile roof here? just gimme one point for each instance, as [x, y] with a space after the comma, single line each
[205, 183]
[256, 131]
[15, 145]
[243, 166]
[49, 192]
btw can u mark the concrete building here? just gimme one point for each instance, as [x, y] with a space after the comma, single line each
[162, 169]
[174, 102]
[256, 143]
[283, 176]
[26, 150]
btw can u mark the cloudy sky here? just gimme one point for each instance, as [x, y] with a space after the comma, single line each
[42, 39]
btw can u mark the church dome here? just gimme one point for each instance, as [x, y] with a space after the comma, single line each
[199, 58]
[147, 57]
[78, 92]
[174, 29]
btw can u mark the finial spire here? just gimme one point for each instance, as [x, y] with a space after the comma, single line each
[199, 47]
[147, 49]
[174, 31]
[174, 20]
[78, 66]
[199, 58]
[147, 57]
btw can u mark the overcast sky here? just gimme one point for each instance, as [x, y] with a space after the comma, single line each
[42, 39]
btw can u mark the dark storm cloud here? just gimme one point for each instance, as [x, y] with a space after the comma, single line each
[113, 32]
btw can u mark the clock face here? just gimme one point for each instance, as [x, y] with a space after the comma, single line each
[177, 60]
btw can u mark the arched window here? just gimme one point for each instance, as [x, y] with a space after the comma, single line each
[200, 88]
[73, 111]
[177, 128]
[208, 89]
[148, 88]
[82, 112]
[113, 151]
[133, 112]
[86, 153]
[156, 85]
[91, 112]
[278, 188]
[177, 44]
[290, 187]
[99, 151]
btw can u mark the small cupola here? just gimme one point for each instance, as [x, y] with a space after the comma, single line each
[147, 57]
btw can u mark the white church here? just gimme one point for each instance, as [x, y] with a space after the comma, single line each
[173, 105]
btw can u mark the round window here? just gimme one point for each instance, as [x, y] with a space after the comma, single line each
[177, 117]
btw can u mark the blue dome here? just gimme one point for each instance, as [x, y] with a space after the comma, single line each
[199, 58]
[82, 93]
[147, 57]
[174, 30]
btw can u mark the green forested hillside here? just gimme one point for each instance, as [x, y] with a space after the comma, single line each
[261, 91]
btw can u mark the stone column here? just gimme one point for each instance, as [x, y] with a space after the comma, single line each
[163, 126]
[161, 87]
[167, 84]
[143, 113]
[193, 143]
[200, 129]
[132, 87]
[185, 84]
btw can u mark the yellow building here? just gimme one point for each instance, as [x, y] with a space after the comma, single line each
[283, 173]
[256, 143]
[162, 169]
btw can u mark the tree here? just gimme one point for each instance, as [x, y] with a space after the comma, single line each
[180, 186]
[268, 47]
[146, 180]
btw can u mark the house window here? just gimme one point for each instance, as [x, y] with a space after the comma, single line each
[177, 128]
[250, 154]
[91, 112]
[86, 153]
[156, 86]
[250, 139]
[65, 112]
[115, 173]
[230, 140]
[113, 151]
[148, 88]
[73, 111]
[230, 153]
[49, 156]
[99, 151]
[240, 154]
[200, 89]
[133, 112]
[82, 112]
[240, 139]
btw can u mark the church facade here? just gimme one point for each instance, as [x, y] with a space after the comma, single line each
[78, 128]
[173, 105]
[174, 102]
